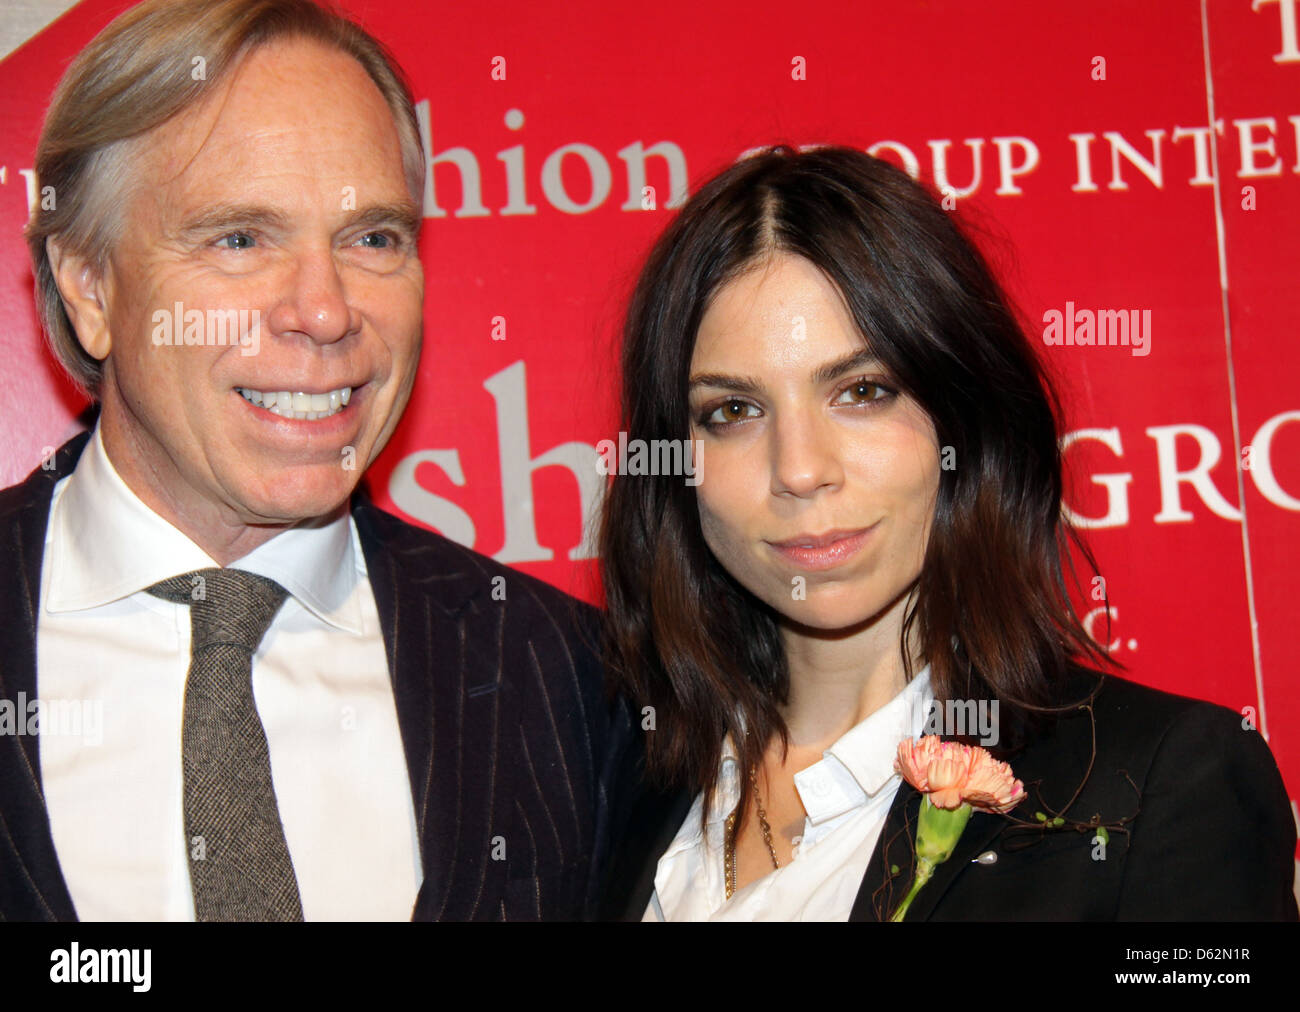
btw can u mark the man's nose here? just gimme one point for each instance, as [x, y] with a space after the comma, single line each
[314, 300]
[805, 455]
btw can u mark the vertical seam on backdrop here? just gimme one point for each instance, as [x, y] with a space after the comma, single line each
[1232, 376]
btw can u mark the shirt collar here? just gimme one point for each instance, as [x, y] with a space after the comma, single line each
[861, 763]
[855, 768]
[105, 544]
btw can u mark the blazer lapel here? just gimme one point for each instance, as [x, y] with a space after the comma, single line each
[425, 599]
[657, 817]
[1042, 761]
[426, 602]
[34, 889]
[651, 827]
[882, 891]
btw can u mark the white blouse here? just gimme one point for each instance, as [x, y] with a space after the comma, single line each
[847, 796]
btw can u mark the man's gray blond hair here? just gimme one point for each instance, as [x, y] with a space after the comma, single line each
[136, 75]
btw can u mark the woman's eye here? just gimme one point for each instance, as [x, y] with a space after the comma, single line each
[864, 392]
[728, 413]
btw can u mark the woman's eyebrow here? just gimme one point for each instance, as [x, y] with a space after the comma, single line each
[822, 374]
[834, 370]
[742, 384]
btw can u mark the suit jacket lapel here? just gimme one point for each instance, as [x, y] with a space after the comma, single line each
[426, 602]
[881, 892]
[35, 887]
[650, 829]
[656, 818]
[1040, 761]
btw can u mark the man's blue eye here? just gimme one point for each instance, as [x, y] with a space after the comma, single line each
[383, 236]
[244, 240]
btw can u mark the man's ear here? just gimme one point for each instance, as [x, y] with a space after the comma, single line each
[82, 287]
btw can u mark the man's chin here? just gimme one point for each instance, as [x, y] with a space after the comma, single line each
[293, 503]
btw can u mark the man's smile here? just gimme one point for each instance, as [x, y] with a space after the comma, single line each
[299, 405]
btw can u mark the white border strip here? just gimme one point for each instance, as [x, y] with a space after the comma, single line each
[1232, 375]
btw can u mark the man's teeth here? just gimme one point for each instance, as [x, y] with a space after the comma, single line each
[301, 406]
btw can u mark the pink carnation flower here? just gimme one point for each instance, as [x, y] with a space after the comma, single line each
[953, 774]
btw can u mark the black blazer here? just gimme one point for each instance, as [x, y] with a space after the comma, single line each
[1213, 837]
[500, 703]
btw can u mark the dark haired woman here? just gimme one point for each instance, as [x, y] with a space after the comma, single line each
[875, 526]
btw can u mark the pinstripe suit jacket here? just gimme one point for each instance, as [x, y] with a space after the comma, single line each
[509, 741]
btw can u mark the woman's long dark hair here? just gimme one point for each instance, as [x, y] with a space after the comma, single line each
[682, 636]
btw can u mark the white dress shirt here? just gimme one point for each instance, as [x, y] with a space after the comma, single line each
[847, 794]
[320, 683]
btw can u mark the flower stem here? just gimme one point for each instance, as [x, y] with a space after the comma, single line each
[924, 869]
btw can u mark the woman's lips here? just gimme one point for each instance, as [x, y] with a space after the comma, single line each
[823, 551]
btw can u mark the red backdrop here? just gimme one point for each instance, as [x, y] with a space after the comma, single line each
[1121, 156]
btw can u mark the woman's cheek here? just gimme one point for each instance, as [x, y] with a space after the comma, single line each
[723, 535]
[714, 528]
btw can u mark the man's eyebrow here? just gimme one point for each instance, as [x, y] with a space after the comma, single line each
[217, 217]
[402, 215]
[822, 374]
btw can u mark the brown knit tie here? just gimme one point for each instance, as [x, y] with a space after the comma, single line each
[240, 868]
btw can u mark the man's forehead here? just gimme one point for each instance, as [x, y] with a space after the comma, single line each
[294, 112]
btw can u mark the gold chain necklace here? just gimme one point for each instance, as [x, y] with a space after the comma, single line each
[729, 839]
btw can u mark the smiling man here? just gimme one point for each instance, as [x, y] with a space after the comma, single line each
[311, 710]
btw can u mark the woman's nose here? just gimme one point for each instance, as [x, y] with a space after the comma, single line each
[805, 456]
